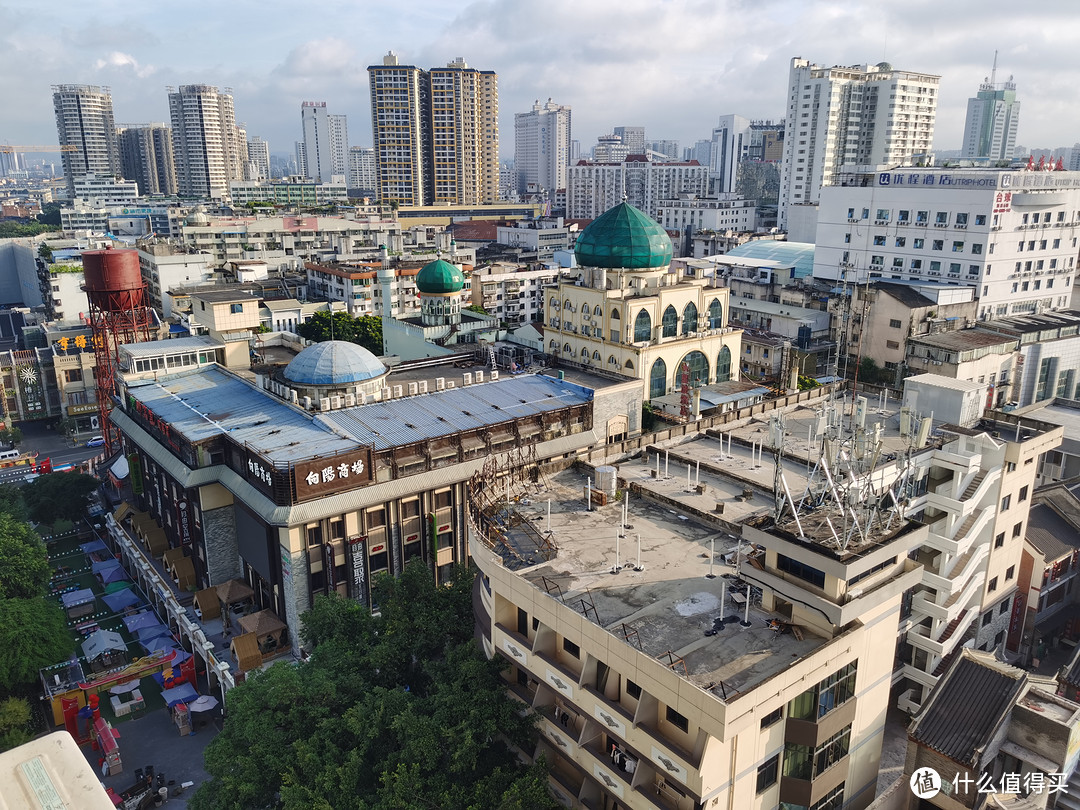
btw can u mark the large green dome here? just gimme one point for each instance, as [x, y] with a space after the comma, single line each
[440, 278]
[625, 238]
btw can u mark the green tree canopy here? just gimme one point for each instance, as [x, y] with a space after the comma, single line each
[50, 215]
[365, 330]
[399, 710]
[58, 496]
[24, 562]
[33, 634]
[14, 723]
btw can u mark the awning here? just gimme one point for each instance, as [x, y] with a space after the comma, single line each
[245, 650]
[120, 468]
[121, 599]
[179, 694]
[80, 597]
[102, 641]
[262, 623]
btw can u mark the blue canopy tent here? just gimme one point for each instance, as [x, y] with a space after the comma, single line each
[94, 545]
[179, 694]
[112, 573]
[150, 632]
[121, 599]
[160, 643]
[72, 599]
[141, 620]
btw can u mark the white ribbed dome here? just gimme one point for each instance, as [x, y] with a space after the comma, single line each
[333, 362]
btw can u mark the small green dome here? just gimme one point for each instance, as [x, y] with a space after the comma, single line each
[439, 278]
[623, 237]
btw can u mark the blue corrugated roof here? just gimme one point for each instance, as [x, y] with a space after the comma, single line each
[210, 402]
[800, 255]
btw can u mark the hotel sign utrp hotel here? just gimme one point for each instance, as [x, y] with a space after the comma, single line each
[977, 180]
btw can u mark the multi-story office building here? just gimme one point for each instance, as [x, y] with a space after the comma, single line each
[207, 146]
[362, 172]
[297, 191]
[730, 145]
[594, 187]
[146, 156]
[851, 119]
[992, 119]
[610, 149]
[1012, 235]
[319, 160]
[669, 149]
[542, 147]
[339, 144]
[633, 138]
[436, 133]
[84, 120]
[258, 159]
[104, 190]
[731, 213]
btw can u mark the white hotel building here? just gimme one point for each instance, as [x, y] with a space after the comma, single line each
[1012, 235]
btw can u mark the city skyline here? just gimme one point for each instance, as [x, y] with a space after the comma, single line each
[729, 59]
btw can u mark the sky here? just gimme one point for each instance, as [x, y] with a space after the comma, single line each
[672, 66]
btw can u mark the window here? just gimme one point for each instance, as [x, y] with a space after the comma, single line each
[821, 699]
[236, 309]
[999, 541]
[1009, 572]
[918, 243]
[1018, 529]
[1006, 502]
[670, 322]
[895, 323]
[879, 241]
[916, 264]
[957, 247]
[903, 215]
[892, 344]
[883, 214]
[1003, 608]
[314, 534]
[980, 219]
[773, 717]
[1023, 494]
[677, 720]
[987, 618]
[851, 213]
[877, 260]
[800, 570]
[642, 327]
[922, 216]
[961, 219]
[941, 218]
[939, 244]
[571, 648]
[633, 690]
[976, 249]
[767, 773]
[901, 241]
[804, 762]
[992, 586]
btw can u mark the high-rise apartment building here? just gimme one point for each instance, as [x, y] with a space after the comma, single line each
[258, 159]
[851, 120]
[992, 118]
[731, 143]
[319, 165]
[206, 142]
[542, 147]
[146, 156]
[633, 138]
[362, 172]
[664, 147]
[84, 119]
[436, 133]
[301, 158]
[594, 187]
[339, 144]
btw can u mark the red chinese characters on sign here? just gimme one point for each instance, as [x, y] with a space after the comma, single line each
[1003, 202]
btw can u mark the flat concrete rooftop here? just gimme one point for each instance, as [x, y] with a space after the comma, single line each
[665, 608]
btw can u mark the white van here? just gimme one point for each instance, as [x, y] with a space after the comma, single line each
[7, 455]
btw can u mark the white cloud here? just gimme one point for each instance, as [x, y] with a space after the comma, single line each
[118, 59]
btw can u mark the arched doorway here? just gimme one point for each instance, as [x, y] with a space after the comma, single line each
[699, 368]
[723, 365]
[658, 379]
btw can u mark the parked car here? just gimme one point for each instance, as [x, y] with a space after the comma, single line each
[97, 441]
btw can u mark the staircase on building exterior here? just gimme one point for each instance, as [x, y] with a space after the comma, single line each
[974, 485]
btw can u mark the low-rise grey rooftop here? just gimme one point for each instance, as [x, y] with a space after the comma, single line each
[965, 339]
[158, 348]
[211, 402]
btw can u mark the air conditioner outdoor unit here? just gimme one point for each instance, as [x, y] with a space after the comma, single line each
[440, 383]
[423, 386]
[307, 403]
[324, 403]
[494, 376]
[397, 391]
[414, 389]
[466, 378]
[350, 400]
[479, 376]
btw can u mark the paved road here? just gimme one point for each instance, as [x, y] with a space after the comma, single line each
[37, 437]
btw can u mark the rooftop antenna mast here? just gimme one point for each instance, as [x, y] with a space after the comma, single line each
[776, 441]
[993, 71]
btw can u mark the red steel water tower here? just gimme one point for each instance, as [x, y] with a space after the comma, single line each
[119, 313]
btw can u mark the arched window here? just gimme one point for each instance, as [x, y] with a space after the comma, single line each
[596, 356]
[642, 326]
[689, 319]
[584, 354]
[630, 365]
[670, 322]
[658, 379]
[553, 345]
[585, 309]
[614, 314]
[699, 368]
[566, 348]
[553, 303]
[612, 361]
[716, 314]
[566, 305]
[723, 365]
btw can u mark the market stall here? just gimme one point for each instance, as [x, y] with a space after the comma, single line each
[245, 652]
[233, 595]
[207, 605]
[105, 737]
[270, 632]
[104, 649]
[78, 603]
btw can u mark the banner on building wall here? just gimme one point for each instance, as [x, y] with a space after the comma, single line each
[359, 589]
[183, 521]
[135, 469]
[1016, 622]
[328, 566]
[286, 564]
